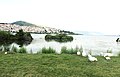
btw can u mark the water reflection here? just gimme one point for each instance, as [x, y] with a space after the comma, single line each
[22, 43]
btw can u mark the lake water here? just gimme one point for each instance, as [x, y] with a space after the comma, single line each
[96, 44]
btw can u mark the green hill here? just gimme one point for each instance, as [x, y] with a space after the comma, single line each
[23, 23]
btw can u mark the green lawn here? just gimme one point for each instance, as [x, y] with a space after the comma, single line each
[53, 65]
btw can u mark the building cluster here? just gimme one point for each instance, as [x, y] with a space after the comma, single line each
[33, 29]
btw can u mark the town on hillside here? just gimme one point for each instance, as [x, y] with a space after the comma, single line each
[15, 27]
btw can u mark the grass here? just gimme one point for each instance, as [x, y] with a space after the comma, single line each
[53, 65]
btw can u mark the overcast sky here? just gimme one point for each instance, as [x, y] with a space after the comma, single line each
[74, 15]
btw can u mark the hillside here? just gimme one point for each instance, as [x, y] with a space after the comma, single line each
[32, 28]
[23, 23]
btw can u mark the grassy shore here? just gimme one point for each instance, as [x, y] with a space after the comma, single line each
[53, 65]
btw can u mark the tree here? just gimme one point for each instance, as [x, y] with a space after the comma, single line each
[20, 35]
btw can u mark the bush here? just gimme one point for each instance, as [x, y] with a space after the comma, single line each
[22, 50]
[64, 49]
[59, 38]
[69, 51]
[49, 50]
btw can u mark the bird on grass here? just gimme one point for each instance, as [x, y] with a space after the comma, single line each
[5, 53]
[91, 58]
[107, 58]
[78, 53]
[107, 54]
[84, 54]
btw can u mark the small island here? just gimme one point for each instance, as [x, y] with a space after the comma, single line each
[59, 38]
[20, 37]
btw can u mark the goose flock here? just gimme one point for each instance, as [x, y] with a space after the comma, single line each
[106, 55]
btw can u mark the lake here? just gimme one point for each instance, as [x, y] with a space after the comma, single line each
[96, 44]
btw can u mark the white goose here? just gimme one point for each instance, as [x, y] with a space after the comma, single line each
[107, 58]
[107, 54]
[91, 58]
[78, 52]
[3, 48]
[84, 54]
[5, 53]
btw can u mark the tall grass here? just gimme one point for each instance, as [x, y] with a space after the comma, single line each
[69, 51]
[48, 50]
[81, 49]
[14, 49]
[64, 49]
[22, 50]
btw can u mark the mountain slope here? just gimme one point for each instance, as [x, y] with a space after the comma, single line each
[23, 23]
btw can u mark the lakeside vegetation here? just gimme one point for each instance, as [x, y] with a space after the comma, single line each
[59, 38]
[44, 50]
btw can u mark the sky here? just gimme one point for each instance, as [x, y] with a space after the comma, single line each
[73, 15]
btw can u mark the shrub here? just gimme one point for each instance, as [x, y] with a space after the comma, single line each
[69, 51]
[49, 50]
[64, 49]
[22, 50]
[59, 38]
